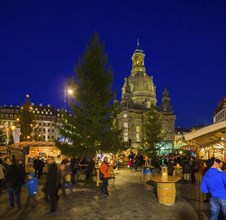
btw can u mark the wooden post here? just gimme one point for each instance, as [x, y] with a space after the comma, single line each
[98, 177]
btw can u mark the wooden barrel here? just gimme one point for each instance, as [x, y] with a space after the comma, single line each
[166, 193]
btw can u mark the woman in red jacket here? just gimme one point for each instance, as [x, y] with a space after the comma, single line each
[105, 170]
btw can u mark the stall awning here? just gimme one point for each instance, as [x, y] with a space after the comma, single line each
[209, 135]
[34, 144]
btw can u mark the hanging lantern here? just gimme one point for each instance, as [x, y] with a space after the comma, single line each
[164, 173]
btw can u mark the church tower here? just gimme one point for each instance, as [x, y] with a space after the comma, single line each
[141, 85]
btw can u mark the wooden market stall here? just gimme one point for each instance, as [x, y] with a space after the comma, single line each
[210, 141]
[29, 150]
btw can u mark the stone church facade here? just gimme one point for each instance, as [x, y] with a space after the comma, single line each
[138, 95]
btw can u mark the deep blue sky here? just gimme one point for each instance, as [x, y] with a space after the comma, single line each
[184, 42]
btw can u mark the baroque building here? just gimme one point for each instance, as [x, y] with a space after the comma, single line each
[138, 95]
[47, 119]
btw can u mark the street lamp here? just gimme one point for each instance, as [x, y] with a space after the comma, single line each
[67, 92]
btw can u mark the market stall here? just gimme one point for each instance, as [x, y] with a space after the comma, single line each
[29, 150]
[210, 141]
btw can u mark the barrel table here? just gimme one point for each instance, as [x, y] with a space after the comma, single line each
[166, 189]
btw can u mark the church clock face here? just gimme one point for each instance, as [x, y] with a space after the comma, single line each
[124, 115]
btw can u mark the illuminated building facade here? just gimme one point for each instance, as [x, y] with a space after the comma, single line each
[138, 95]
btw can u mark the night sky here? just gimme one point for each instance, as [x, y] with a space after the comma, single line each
[184, 42]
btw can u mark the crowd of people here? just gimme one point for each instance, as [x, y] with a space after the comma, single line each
[62, 172]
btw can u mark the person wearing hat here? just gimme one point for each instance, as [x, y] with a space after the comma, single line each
[214, 182]
[32, 185]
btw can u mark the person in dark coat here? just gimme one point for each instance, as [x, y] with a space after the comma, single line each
[89, 169]
[22, 168]
[14, 181]
[50, 188]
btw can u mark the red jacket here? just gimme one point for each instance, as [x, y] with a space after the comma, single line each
[104, 168]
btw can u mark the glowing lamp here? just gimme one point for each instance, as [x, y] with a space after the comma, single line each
[164, 173]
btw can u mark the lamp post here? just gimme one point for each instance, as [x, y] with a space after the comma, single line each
[67, 92]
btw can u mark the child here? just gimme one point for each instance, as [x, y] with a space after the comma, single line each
[32, 185]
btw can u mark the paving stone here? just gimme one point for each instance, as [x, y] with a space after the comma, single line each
[130, 199]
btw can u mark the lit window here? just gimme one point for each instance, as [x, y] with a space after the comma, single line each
[125, 125]
[138, 136]
[125, 139]
[137, 128]
[125, 134]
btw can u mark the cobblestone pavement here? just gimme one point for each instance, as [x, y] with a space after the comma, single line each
[129, 199]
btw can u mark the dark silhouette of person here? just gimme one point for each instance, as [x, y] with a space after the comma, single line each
[14, 180]
[50, 188]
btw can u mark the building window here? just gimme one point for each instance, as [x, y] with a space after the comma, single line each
[138, 133]
[40, 129]
[15, 116]
[48, 118]
[40, 124]
[40, 117]
[44, 117]
[48, 124]
[6, 116]
[44, 124]
[8, 111]
[52, 130]
[12, 111]
[48, 130]
[2, 115]
[11, 116]
[53, 137]
[44, 130]
[16, 111]
[138, 136]
[125, 139]
[125, 125]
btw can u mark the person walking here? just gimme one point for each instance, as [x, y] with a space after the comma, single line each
[214, 182]
[37, 166]
[14, 181]
[186, 170]
[105, 170]
[22, 168]
[89, 169]
[32, 185]
[61, 180]
[50, 188]
[68, 176]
